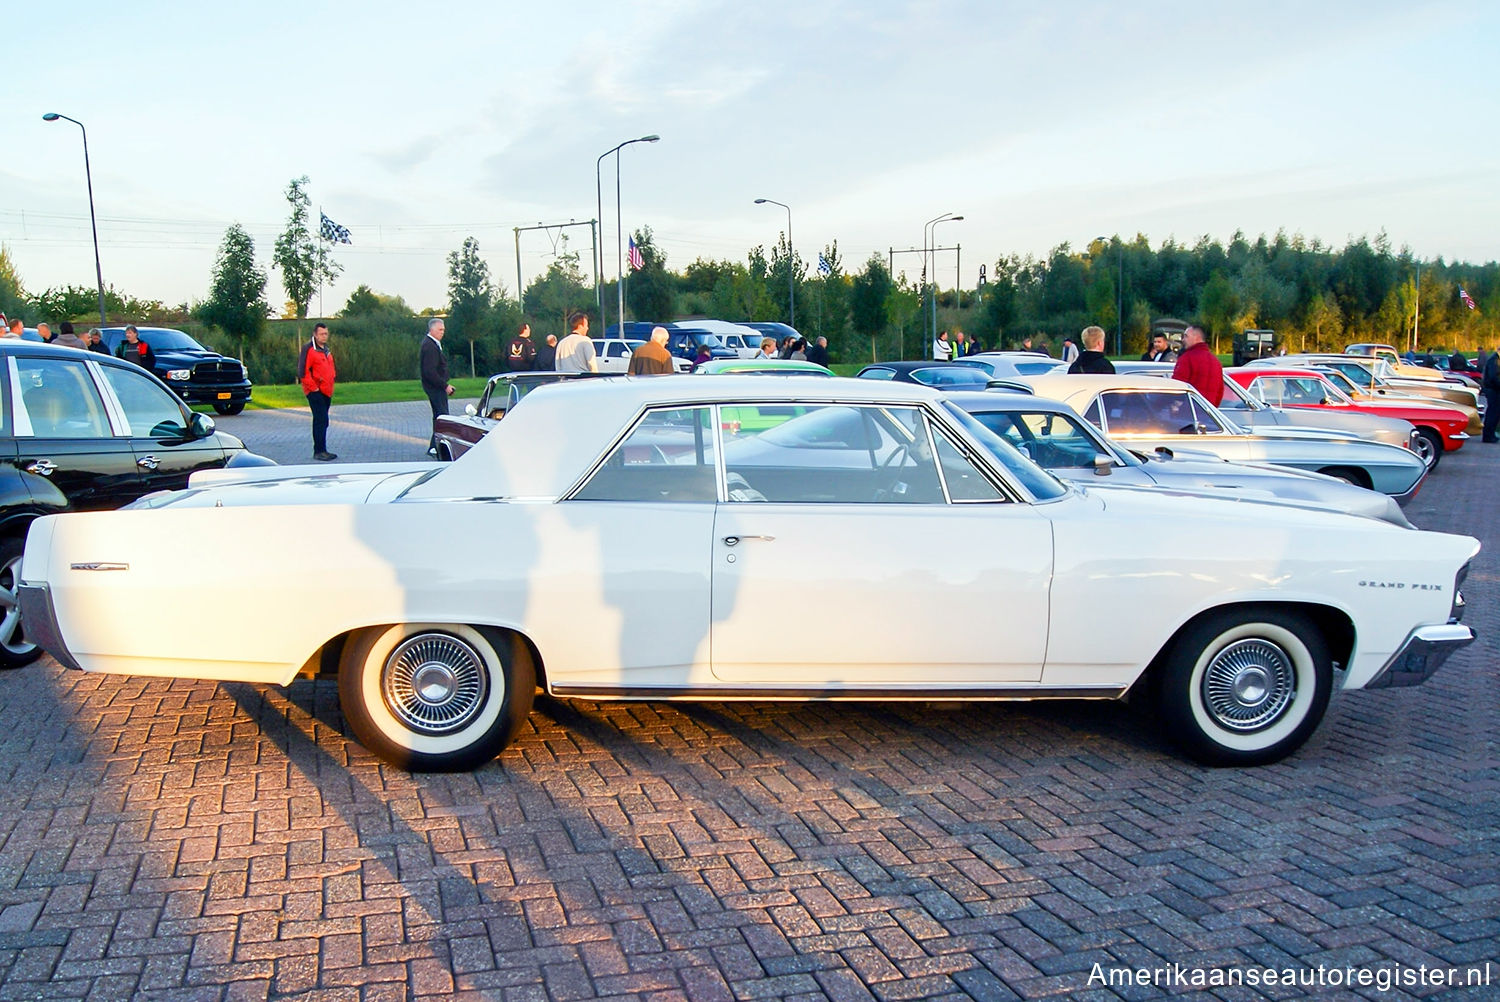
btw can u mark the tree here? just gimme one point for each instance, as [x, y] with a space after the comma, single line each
[236, 302]
[12, 294]
[785, 262]
[1219, 307]
[304, 266]
[557, 292]
[651, 290]
[902, 306]
[364, 301]
[470, 292]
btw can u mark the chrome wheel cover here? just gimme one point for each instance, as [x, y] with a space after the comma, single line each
[12, 636]
[1249, 684]
[1425, 450]
[434, 683]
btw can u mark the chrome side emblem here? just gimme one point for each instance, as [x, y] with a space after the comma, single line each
[101, 566]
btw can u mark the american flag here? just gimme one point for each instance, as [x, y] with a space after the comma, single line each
[1468, 300]
[824, 268]
[637, 261]
[333, 232]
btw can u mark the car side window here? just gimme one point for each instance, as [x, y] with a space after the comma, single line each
[668, 456]
[829, 454]
[1153, 412]
[965, 482]
[58, 400]
[149, 409]
[877, 374]
[1092, 414]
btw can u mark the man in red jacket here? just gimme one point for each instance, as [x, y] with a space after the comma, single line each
[316, 368]
[1200, 366]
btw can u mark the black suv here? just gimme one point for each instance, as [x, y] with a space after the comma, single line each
[81, 431]
[197, 374]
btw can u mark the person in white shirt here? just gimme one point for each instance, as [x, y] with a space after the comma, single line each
[942, 351]
[575, 353]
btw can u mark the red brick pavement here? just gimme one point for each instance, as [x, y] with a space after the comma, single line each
[183, 840]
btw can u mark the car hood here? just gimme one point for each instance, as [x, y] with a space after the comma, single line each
[292, 485]
[189, 356]
[1229, 511]
[1279, 483]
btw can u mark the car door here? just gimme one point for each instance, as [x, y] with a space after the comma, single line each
[627, 567]
[160, 431]
[63, 433]
[850, 563]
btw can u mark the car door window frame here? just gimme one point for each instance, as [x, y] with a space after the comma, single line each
[21, 424]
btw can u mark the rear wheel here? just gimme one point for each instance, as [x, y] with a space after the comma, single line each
[435, 697]
[1245, 687]
[1430, 447]
[15, 650]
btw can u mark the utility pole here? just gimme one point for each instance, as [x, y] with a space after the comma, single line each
[592, 224]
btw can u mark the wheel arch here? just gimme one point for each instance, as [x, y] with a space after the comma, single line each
[328, 660]
[1335, 625]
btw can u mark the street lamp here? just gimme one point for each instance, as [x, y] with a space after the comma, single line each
[53, 116]
[931, 227]
[599, 211]
[791, 258]
[1119, 301]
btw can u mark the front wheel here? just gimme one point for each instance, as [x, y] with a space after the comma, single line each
[228, 407]
[15, 650]
[1430, 447]
[435, 697]
[1245, 687]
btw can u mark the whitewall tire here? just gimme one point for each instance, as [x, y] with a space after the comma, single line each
[435, 697]
[1245, 687]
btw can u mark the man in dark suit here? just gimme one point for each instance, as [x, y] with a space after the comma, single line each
[435, 376]
[1490, 382]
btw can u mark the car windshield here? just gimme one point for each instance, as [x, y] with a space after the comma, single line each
[1051, 440]
[1159, 412]
[1042, 485]
[1340, 380]
[169, 340]
[952, 378]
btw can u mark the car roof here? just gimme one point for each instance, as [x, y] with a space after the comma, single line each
[579, 419]
[786, 365]
[973, 400]
[1071, 384]
[26, 346]
[914, 366]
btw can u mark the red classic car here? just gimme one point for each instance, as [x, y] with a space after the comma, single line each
[1440, 428]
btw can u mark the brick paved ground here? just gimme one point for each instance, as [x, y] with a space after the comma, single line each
[181, 840]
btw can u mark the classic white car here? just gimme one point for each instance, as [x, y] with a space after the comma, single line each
[646, 552]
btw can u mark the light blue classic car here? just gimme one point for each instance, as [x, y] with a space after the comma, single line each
[1149, 413]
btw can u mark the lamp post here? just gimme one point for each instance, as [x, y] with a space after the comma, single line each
[619, 254]
[53, 116]
[1119, 300]
[791, 258]
[932, 225]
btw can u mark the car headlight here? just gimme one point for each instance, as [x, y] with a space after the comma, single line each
[179, 374]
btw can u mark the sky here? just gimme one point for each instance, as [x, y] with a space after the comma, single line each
[1039, 123]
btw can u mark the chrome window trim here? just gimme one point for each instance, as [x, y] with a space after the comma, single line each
[20, 417]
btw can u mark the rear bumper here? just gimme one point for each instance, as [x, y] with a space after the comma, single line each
[1423, 653]
[40, 619]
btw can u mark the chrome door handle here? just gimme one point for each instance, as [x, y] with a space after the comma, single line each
[735, 540]
[44, 467]
[148, 462]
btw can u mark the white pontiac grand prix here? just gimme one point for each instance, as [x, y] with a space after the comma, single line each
[745, 538]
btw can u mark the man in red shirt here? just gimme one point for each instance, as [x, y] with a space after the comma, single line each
[1200, 366]
[317, 382]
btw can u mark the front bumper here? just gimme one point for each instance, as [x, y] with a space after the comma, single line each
[40, 619]
[209, 393]
[1423, 652]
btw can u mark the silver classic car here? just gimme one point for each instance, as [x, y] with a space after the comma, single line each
[1054, 436]
[1148, 413]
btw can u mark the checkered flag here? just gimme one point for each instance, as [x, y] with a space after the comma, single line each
[333, 232]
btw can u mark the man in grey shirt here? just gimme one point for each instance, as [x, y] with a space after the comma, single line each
[575, 353]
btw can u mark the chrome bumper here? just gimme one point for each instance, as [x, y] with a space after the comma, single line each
[1424, 651]
[40, 622]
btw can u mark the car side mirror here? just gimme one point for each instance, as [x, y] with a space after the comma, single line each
[470, 410]
[201, 425]
[1103, 465]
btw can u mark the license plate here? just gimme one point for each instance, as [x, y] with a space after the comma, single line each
[225, 396]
